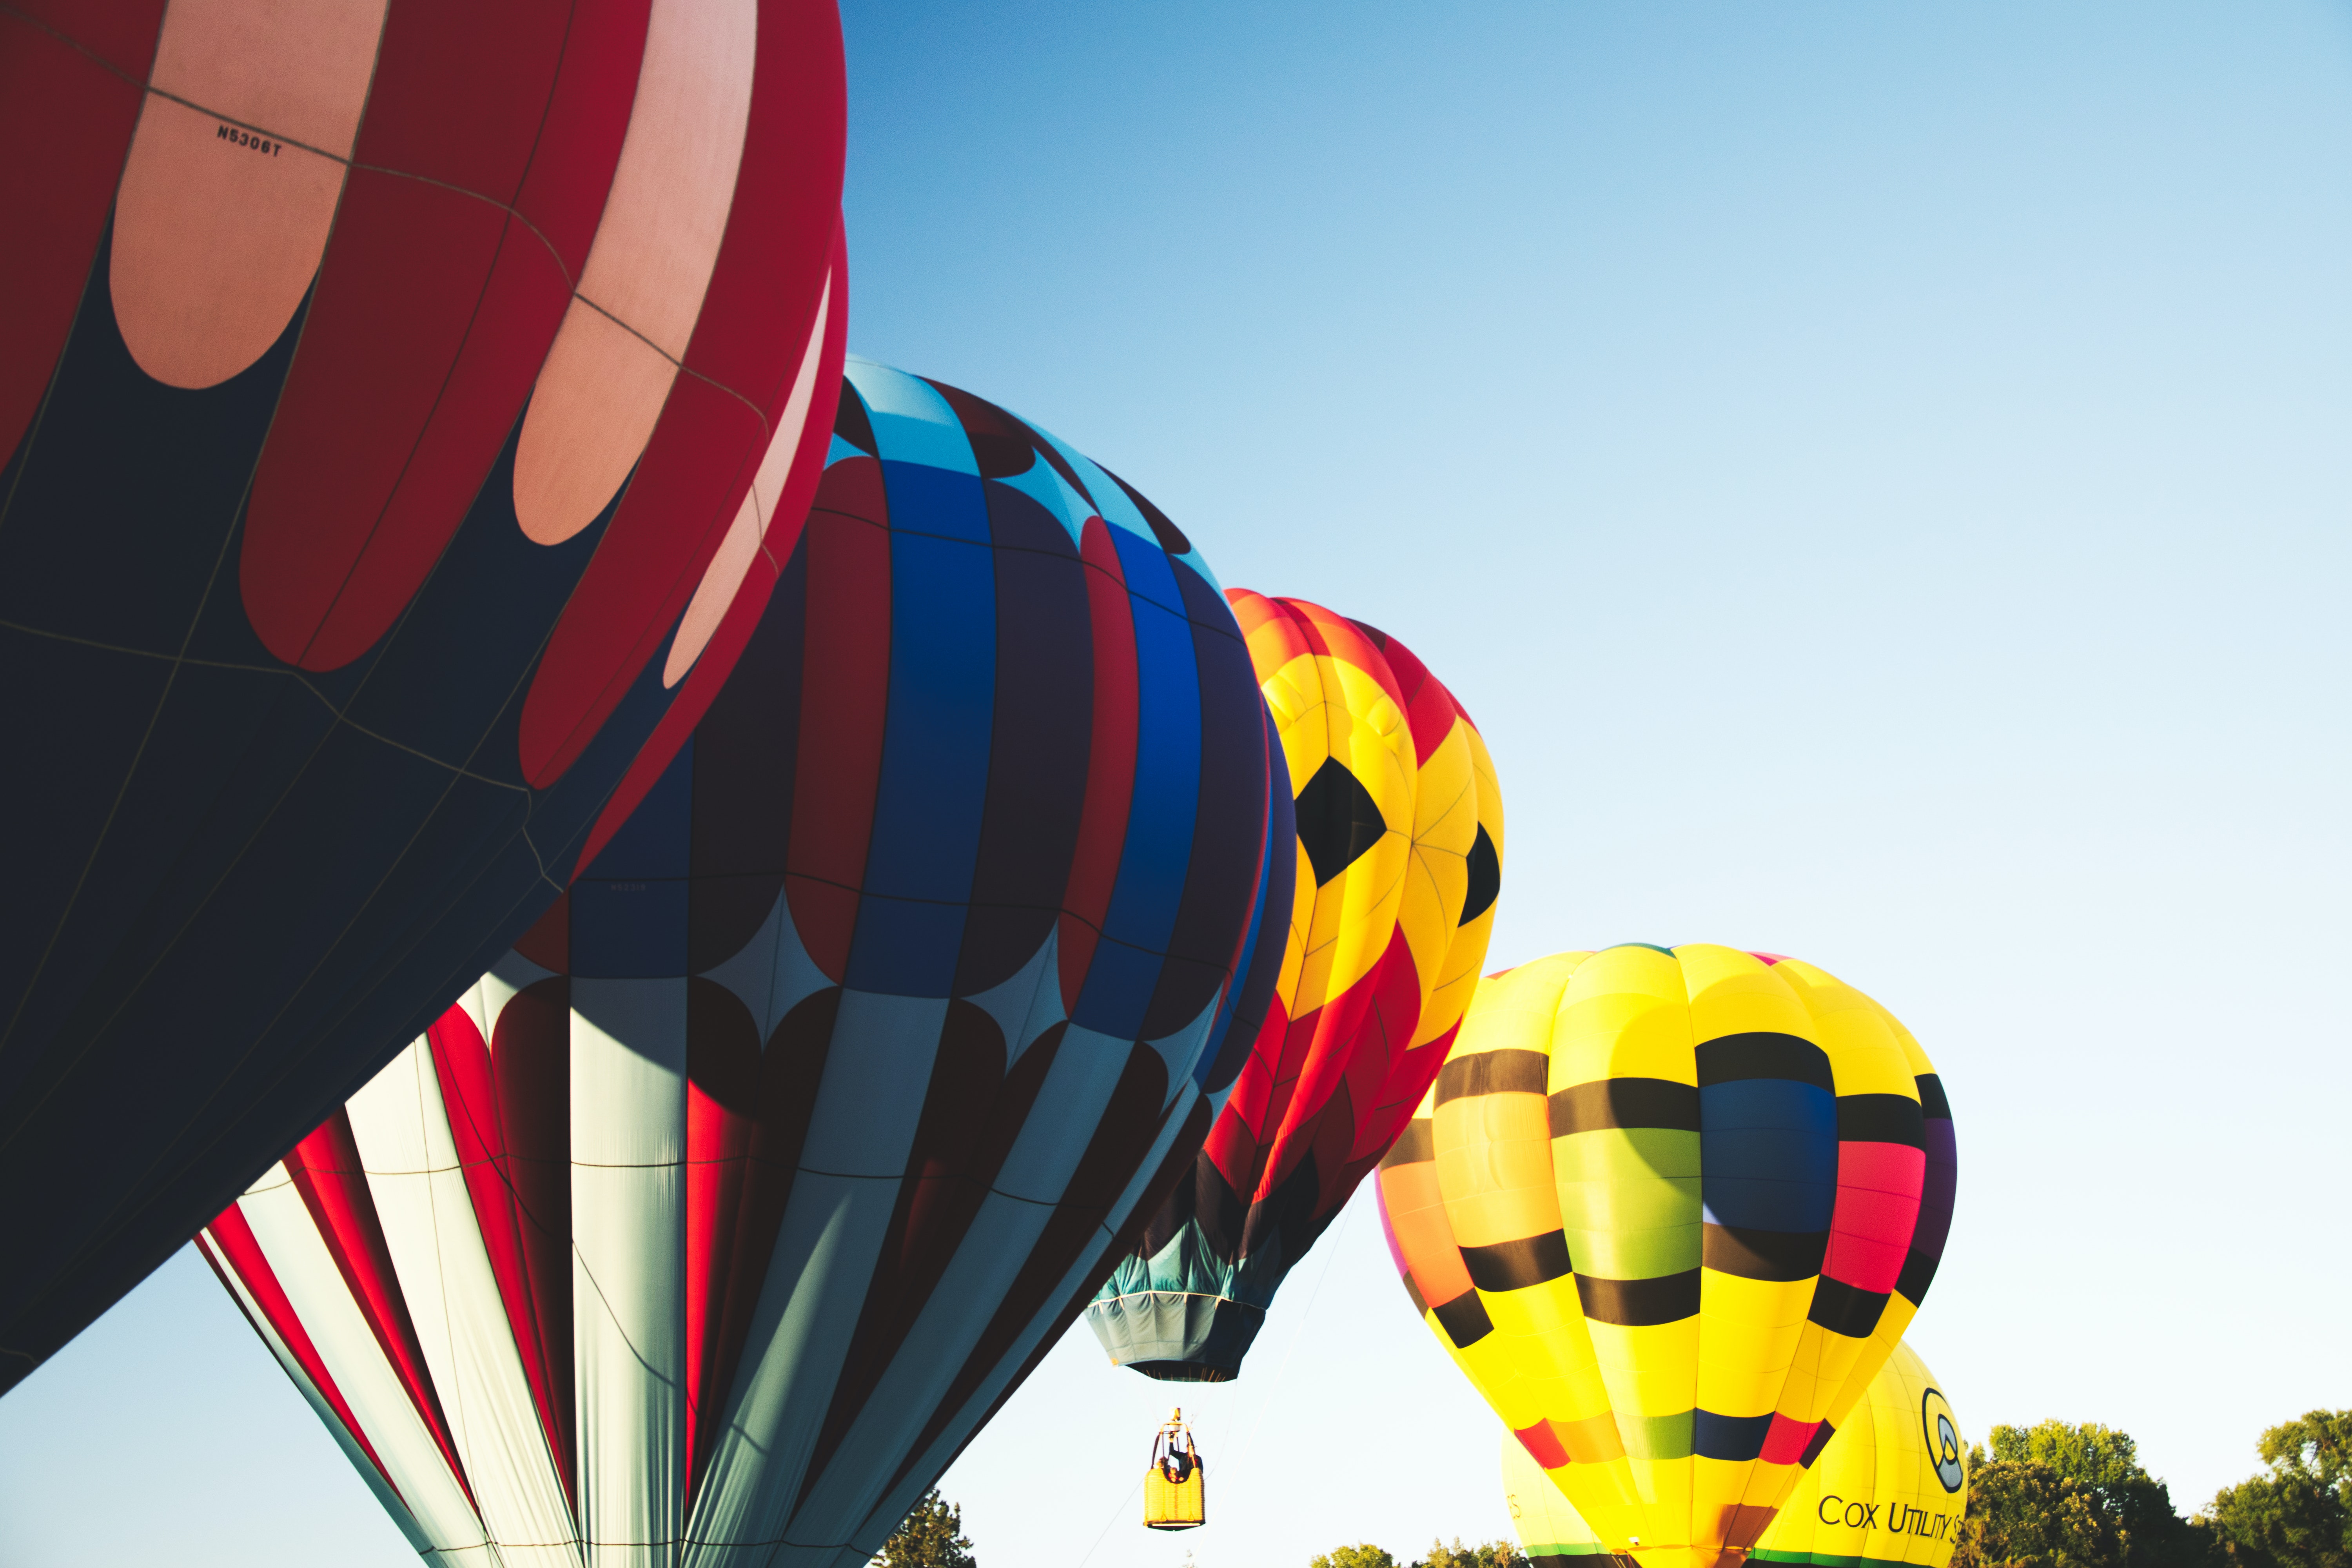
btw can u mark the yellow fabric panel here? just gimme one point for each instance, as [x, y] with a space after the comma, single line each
[1541, 1515]
[1735, 992]
[1623, 1014]
[1651, 1369]
[1494, 1165]
[1444, 817]
[1465, 953]
[1857, 1033]
[1748, 1335]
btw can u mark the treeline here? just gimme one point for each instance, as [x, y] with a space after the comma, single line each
[1487, 1554]
[2057, 1495]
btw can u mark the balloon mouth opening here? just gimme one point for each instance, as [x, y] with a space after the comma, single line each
[1184, 1371]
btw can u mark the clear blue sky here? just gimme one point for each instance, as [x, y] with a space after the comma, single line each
[1879, 475]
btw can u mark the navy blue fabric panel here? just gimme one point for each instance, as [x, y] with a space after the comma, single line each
[1118, 983]
[1767, 1154]
[1731, 1438]
[116, 522]
[471, 642]
[925, 500]
[935, 750]
[624, 930]
[657, 838]
[1039, 748]
[1149, 573]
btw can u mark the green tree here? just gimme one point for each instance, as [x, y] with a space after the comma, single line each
[2021, 1515]
[932, 1536]
[1363, 1555]
[1485, 1555]
[2061, 1494]
[2299, 1514]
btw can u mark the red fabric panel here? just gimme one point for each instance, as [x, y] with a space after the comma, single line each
[789, 1070]
[673, 513]
[395, 295]
[1785, 1440]
[1540, 1441]
[67, 120]
[1879, 1187]
[241, 1252]
[723, 1069]
[774, 256]
[460, 90]
[580, 139]
[121, 32]
[326, 1170]
[845, 683]
[548, 942]
[785, 527]
[1110, 762]
[1428, 707]
[510, 1195]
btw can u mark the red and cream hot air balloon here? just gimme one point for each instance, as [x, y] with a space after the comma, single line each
[406, 406]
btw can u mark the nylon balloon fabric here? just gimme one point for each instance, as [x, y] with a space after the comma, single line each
[1398, 851]
[406, 406]
[1891, 1487]
[1670, 1210]
[1551, 1530]
[720, 1214]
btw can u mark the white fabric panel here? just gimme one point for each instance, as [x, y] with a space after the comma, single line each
[861, 1131]
[1086, 1070]
[418, 1541]
[379, 1402]
[402, 1131]
[1029, 1003]
[1037, 1174]
[628, 1265]
[772, 973]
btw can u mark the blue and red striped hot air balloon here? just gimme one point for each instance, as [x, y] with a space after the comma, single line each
[722, 1213]
[396, 397]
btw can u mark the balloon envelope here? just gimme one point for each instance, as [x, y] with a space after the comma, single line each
[1399, 850]
[1670, 1210]
[733, 1200]
[393, 398]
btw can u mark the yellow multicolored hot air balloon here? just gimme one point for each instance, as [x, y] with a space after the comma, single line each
[1670, 1210]
[1399, 845]
[1891, 1487]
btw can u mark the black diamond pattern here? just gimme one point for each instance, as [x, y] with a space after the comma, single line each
[1486, 878]
[1337, 820]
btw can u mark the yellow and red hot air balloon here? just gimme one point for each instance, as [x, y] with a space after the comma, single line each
[1670, 1210]
[1399, 846]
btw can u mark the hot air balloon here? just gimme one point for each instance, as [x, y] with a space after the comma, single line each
[395, 399]
[1400, 840]
[1670, 1210]
[1891, 1487]
[722, 1212]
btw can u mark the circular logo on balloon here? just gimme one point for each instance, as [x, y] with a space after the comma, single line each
[1943, 1434]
